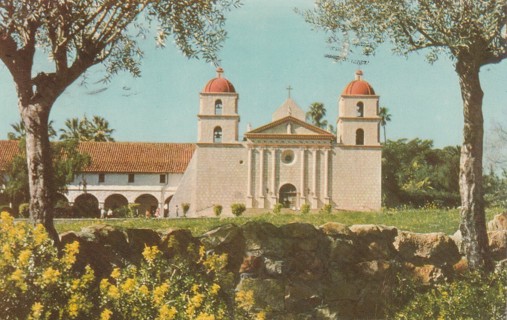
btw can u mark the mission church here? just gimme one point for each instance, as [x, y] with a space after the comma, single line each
[287, 161]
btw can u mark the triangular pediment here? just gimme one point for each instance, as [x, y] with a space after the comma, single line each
[289, 127]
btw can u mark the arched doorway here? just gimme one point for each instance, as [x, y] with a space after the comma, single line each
[147, 202]
[86, 205]
[288, 195]
[118, 204]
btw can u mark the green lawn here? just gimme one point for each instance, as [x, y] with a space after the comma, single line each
[420, 220]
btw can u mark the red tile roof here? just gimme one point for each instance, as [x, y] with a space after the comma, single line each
[8, 149]
[124, 157]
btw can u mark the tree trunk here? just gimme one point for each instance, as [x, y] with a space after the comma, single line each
[473, 218]
[40, 168]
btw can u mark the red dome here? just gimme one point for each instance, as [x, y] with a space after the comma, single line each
[358, 87]
[219, 84]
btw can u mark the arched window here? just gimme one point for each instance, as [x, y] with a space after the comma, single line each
[218, 107]
[359, 137]
[217, 135]
[360, 109]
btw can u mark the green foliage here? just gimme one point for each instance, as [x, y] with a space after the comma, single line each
[217, 210]
[85, 130]
[19, 132]
[24, 210]
[37, 281]
[185, 207]
[416, 174]
[433, 26]
[305, 208]
[468, 297]
[277, 208]
[326, 209]
[62, 209]
[129, 211]
[495, 189]
[385, 117]
[67, 162]
[316, 114]
[238, 209]
[192, 285]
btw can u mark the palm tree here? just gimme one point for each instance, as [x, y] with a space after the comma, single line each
[75, 129]
[385, 117]
[20, 132]
[99, 130]
[316, 114]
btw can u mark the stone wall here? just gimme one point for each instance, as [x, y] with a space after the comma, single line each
[298, 271]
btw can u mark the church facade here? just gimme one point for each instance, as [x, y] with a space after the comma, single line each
[287, 161]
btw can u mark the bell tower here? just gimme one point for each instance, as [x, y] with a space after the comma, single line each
[218, 118]
[358, 114]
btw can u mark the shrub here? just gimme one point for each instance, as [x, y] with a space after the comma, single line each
[238, 209]
[24, 210]
[185, 207]
[62, 209]
[277, 208]
[129, 211]
[305, 208]
[217, 209]
[471, 296]
[326, 209]
[37, 282]
[189, 286]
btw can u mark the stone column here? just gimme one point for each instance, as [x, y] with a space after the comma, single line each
[262, 188]
[273, 178]
[315, 172]
[326, 176]
[302, 191]
[249, 200]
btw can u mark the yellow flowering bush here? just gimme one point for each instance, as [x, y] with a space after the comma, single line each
[37, 283]
[193, 285]
[471, 296]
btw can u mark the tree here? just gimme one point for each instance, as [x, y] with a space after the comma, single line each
[74, 130]
[316, 115]
[66, 161]
[100, 131]
[76, 35]
[385, 117]
[416, 174]
[86, 130]
[471, 33]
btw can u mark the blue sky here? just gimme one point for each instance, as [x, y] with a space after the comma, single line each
[269, 47]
